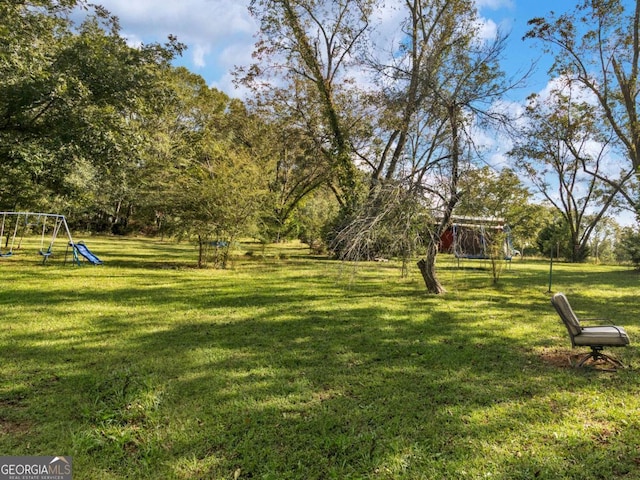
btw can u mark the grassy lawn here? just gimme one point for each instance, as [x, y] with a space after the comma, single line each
[286, 366]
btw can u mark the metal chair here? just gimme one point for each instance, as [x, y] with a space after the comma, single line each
[596, 337]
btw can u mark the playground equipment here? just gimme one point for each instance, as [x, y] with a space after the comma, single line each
[474, 238]
[23, 222]
[81, 250]
[58, 222]
[9, 252]
[17, 224]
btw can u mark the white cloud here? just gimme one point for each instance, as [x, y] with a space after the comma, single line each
[230, 57]
[199, 53]
[133, 40]
[552, 85]
[220, 33]
[566, 87]
[226, 84]
[207, 27]
[235, 54]
[488, 29]
[194, 19]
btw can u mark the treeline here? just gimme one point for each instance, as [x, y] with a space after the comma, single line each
[120, 140]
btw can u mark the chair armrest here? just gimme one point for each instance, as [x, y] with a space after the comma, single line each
[618, 329]
[611, 325]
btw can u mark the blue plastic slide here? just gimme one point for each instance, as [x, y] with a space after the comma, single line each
[82, 249]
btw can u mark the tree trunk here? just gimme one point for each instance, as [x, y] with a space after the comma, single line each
[427, 268]
[427, 265]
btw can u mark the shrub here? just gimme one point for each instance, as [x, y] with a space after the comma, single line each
[628, 248]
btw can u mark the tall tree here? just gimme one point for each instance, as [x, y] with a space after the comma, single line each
[205, 176]
[310, 44]
[597, 46]
[408, 118]
[454, 77]
[30, 35]
[68, 95]
[300, 170]
[558, 142]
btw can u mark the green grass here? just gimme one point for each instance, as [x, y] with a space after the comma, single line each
[287, 366]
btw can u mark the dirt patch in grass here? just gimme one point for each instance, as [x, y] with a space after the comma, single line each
[564, 358]
[559, 358]
[14, 428]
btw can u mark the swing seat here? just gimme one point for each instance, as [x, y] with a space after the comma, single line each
[45, 254]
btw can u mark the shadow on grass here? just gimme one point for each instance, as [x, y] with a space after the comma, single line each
[301, 378]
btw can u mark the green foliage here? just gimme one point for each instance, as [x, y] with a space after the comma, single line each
[204, 176]
[315, 216]
[604, 239]
[406, 130]
[489, 194]
[555, 240]
[70, 99]
[122, 142]
[628, 247]
[300, 172]
[315, 94]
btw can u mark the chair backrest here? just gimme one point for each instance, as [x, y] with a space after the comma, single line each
[569, 318]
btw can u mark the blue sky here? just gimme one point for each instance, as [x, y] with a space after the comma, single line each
[220, 33]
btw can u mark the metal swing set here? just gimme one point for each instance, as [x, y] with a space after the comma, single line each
[37, 219]
[472, 238]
